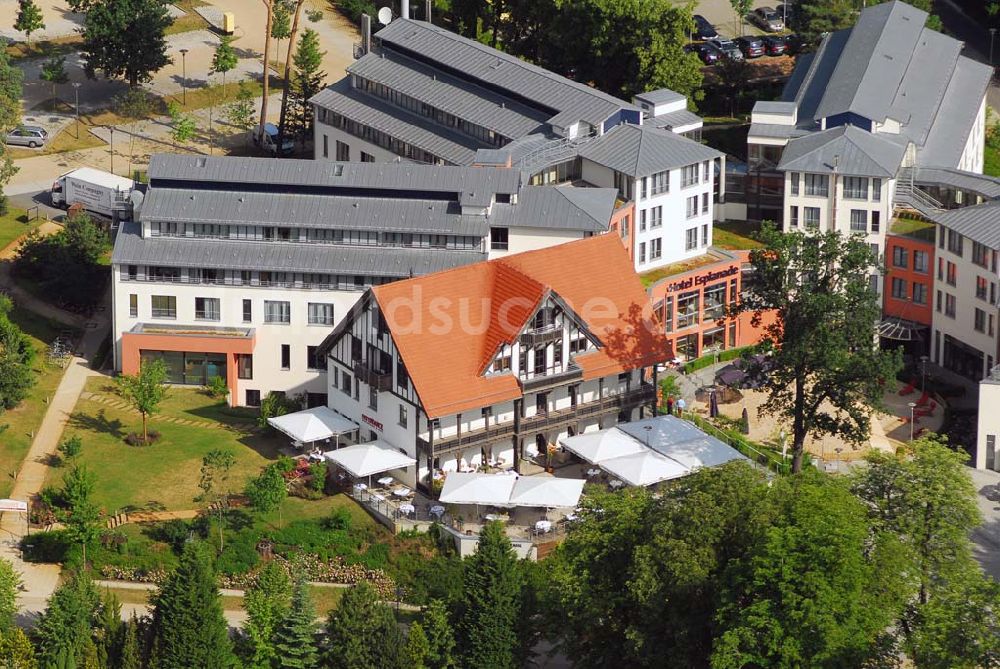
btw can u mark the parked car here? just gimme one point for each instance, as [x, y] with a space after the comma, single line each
[727, 48]
[27, 135]
[775, 45]
[706, 52]
[787, 14]
[703, 29]
[793, 44]
[767, 19]
[751, 46]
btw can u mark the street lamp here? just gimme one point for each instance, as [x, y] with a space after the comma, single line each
[111, 129]
[648, 429]
[912, 405]
[923, 373]
[993, 32]
[76, 91]
[184, 76]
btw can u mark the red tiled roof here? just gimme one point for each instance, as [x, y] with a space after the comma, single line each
[447, 326]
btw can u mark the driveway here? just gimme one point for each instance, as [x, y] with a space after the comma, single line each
[720, 14]
[986, 538]
[59, 21]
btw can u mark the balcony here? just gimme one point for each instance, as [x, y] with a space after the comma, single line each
[378, 380]
[553, 419]
[543, 383]
[540, 336]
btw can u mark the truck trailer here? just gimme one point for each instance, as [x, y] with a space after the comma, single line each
[97, 191]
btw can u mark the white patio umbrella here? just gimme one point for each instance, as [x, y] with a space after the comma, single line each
[546, 492]
[644, 468]
[315, 424]
[372, 458]
[476, 488]
[595, 447]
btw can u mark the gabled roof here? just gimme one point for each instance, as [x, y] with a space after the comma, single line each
[845, 148]
[950, 129]
[874, 61]
[593, 276]
[641, 150]
[980, 223]
[558, 208]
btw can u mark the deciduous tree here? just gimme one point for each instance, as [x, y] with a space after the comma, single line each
[361, 632]
[242, 112]
[16, 357]
[741, 8]
[182, 126]
[292, 33]
[214, 479]
[267, 491]
[10, 116]
[826, 371]
[29, 18]
[266, 604]
[126, 38]
[81, 516]
[813, 18]
[224, 59]
[145, 390]
[10, 585]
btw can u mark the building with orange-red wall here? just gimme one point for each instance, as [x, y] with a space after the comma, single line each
[909, 290]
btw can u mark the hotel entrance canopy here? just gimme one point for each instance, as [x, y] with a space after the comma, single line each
[367, 459]
[314, 424]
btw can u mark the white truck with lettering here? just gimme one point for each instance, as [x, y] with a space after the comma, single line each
[97, 191]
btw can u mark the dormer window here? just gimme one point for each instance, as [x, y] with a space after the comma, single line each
[544, 320]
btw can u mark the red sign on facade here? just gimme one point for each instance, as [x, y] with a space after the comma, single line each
[368, 420]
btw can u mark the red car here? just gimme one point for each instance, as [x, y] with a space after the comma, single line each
[775, 45]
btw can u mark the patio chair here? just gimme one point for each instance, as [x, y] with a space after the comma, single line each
[907, 389]
[924, 398]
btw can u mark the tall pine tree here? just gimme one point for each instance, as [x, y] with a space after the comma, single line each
[295, 639]
[131, 650]
[266, 604]
[306, 82]
[492, 603]
[64, 630]
[362, 633]
[440, 637]
[189, 629]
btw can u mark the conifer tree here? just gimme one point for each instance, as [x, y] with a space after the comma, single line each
[417, 648]
[266, 604]
[307, 81]
[10, 584]
[131, 652]
[362, 632]
[64, 629]
[189, 629]
[440, 637]
[16, 651]
[492, 604]
[295, 638]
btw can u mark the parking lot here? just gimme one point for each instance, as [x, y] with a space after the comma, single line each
[720, 14]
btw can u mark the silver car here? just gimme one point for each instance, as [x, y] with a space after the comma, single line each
[28, 135]
[768, 19]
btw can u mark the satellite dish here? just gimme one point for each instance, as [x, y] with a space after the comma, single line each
[385, 16]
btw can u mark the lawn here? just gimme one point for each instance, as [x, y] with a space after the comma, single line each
[24, 419]
[13, 225]
[164, 475]
[735, 235]
[914, 227]
[991, 159]
[324, 599]
[651, 277]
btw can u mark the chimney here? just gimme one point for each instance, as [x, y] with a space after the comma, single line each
[427, 11]
[404, 9]
[366, 34]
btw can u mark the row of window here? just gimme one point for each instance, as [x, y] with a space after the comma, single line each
[659, 183]
[859, 219]
[692, 205]
[209, 276]
[351, 386]
[688, 303]
[901, 259]
[209, 309]
[900, 287]
[686, 346]
[818, 185]
[377, 137]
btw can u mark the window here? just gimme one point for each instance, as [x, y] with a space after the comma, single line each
[372, 398]
[164, 306]
[980, 254]
[367, 157]
[990, 333]
[952, 271]
[899, 257]
[859, 220]
[403, 419]
[920, 261]
[343, 151]
[715, 302]
[642, 221]
[660, 183]
[817, 185]
[793, 179]
[623, 227]
[704, 203]
[793, 219]
[692, 206]
[876, 190]
[655, 217]
[286, 356]
[876, 221]
[704, 234]
[655, 248]
[345, 383]
[247, 311]
[919, 293]
[941, 235]
[898, 288]
[133, 305]
[706, 171]
[874, 248]
[133, 272]
[939, 301]
[689, 176]
[320, 313]
[687, 309]
[326, 146]
[206, 308]
[314, 361]
[810, 217]
[668, 314]
[949, 305]
[623, 184]
[244, 366]
[856, 188]
[499, 239]
[691, 239]
[277, 312]
[253, 398]
[643, 185]
[979, 320]
[981, 287]
[955, 242]
[642, 252]
[714, 339]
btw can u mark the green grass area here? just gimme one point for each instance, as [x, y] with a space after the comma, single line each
[324, 599]
[679, 267]
[24, 419]
[13, 225]
[164, 475]
[59, 46]
[735, 235]
[906, 225]
[991, 159]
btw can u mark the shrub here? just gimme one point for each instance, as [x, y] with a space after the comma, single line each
[135, 439]
[353, 9]
[70, 447]
[46, 546]
[340, 519]
[217, 388]
[274, 404]
[318, 472]
[240, 554]
[174, 533]
[375, 557]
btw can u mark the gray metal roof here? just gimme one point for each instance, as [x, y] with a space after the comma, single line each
[957, 114]
[980, 223]
[817, 72]
[922, 89]
[660, 96]
[480, 62]
[465, 181]
[677, 119]
[853, 151]
[874, 61]
[463, 99]
[132, 249]
[419, 131]
[310, 211]
[774, 107]
[640, 150]
[776, 130]
[558, 208]
[982, 184]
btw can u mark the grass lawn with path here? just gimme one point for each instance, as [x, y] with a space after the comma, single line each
[164, 475]
[324, 599]
[24, 419]
[13, 225]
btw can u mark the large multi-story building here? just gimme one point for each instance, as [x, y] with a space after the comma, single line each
[493, 362]
[860, 119]
[238, 267]
[427, 95]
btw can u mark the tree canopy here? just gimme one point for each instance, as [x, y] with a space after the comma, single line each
[144, 390]
[16, 357]
[362, 632]
[125, 38]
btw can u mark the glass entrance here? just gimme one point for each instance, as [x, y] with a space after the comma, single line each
[192, 369]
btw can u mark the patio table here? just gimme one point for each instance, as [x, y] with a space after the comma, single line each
[406, 508]
[437, 510]
[360, 486]
[543, 525]
[385, 480]
[496, 516]
[401, 492]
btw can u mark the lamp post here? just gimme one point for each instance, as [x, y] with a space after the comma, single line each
[648, 429]
[923, 373]
[993, 32]
[184, 76]
[912, 405]
[111, 129]
[76, 91]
